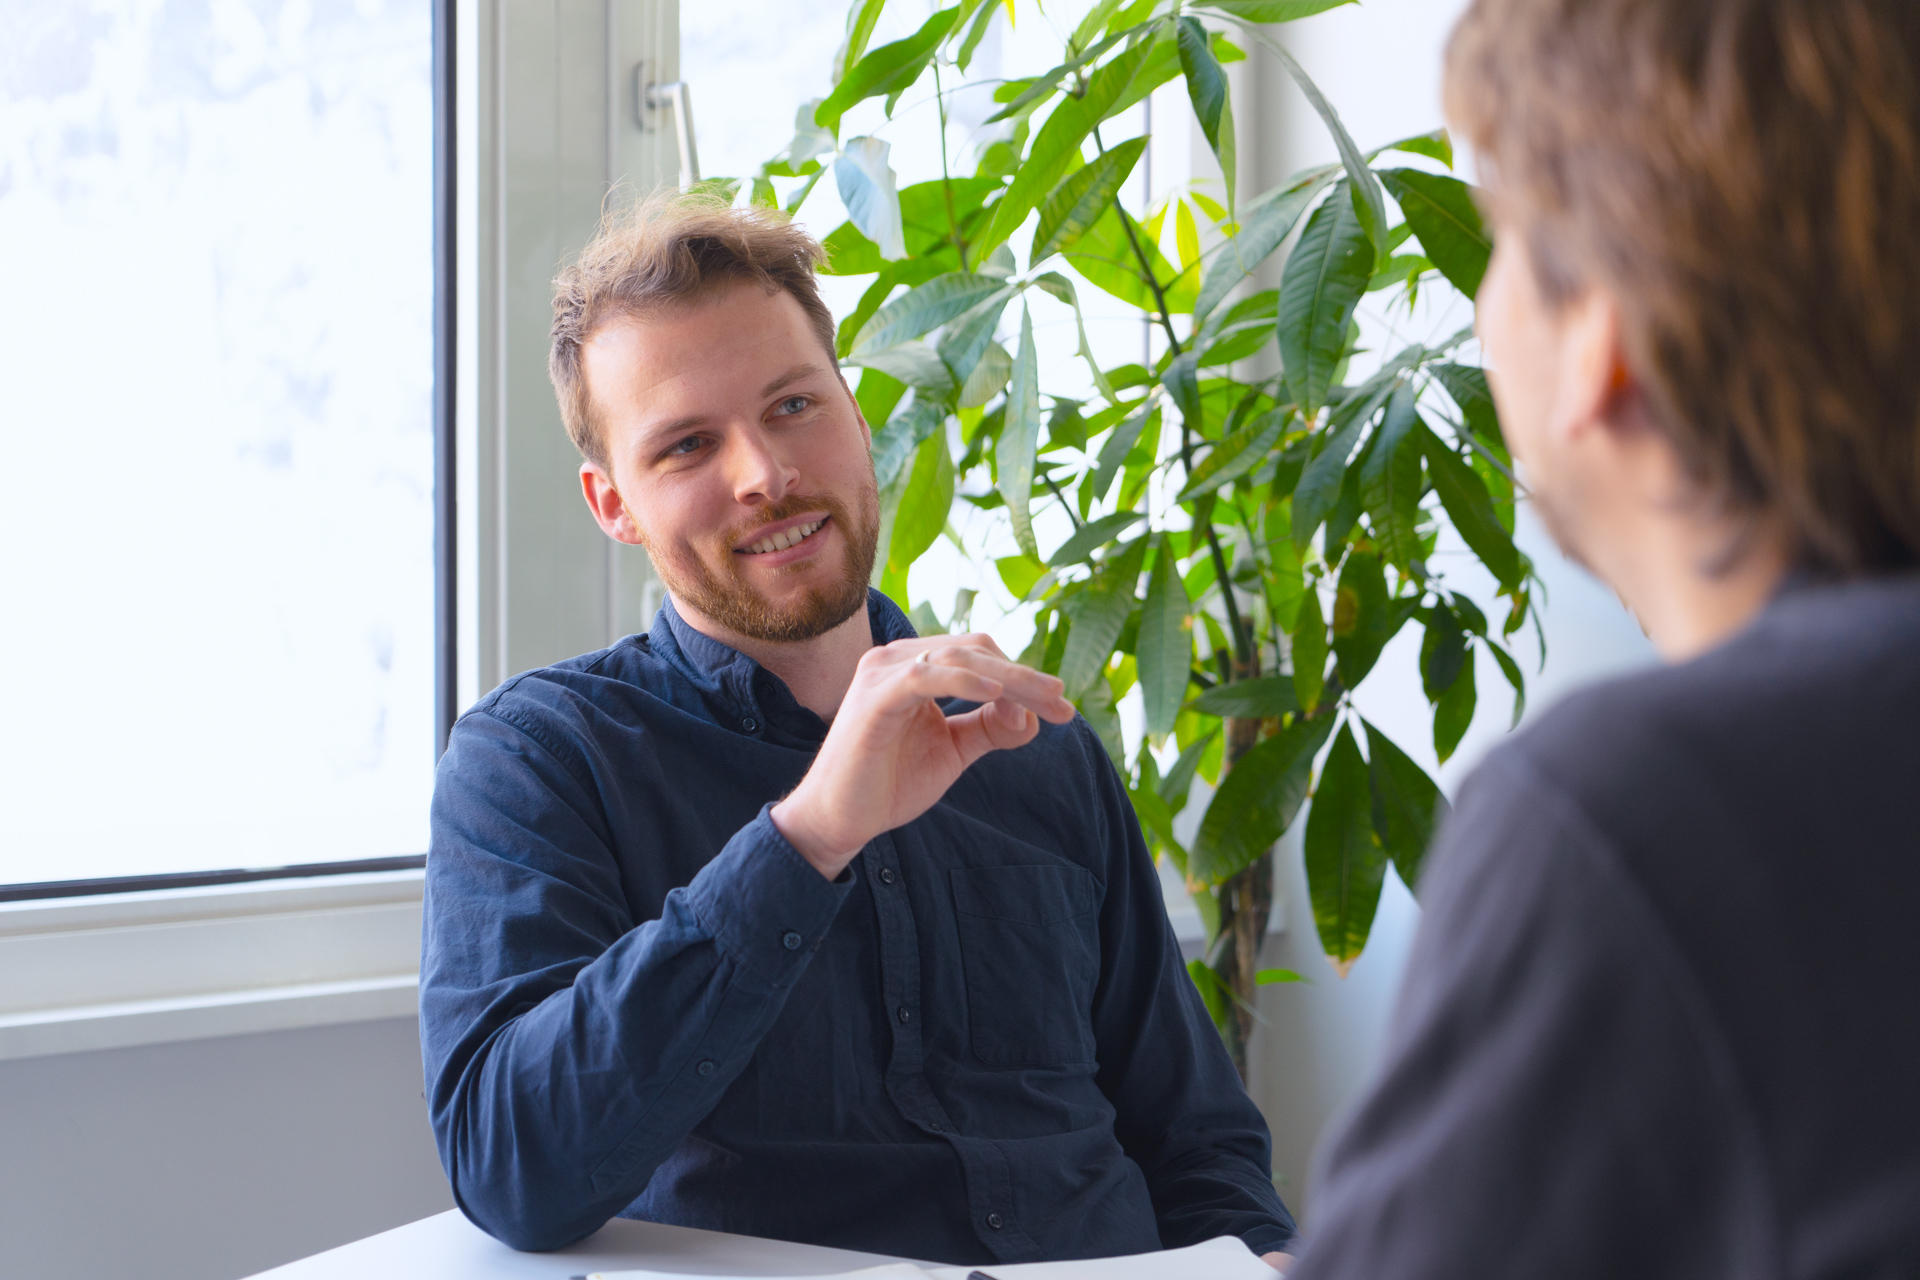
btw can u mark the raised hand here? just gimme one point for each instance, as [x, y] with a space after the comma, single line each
[891, 753]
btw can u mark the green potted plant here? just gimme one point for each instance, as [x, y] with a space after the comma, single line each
[1242, 548]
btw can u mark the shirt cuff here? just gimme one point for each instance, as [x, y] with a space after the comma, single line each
[764, 904]
[1265, 1240]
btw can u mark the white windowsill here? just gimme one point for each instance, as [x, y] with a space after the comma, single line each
[117, 970]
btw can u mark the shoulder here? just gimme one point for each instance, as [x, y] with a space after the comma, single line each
[565, 705]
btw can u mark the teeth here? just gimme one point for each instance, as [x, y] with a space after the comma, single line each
[781, 541]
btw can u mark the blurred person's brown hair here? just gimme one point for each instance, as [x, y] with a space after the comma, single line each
[1743, 176]
[669, 250]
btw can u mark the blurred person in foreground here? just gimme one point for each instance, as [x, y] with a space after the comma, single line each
[780, 919]
[1662, 1016]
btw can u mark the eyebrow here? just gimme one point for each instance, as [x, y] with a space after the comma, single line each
[790, 377]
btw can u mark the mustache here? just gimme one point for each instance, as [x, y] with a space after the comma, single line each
[787, 508]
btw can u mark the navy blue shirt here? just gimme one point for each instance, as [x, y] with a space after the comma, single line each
[978, 1045]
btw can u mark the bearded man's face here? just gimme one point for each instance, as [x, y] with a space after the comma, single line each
[739, 460]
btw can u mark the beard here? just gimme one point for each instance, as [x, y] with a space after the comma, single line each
[730, 600]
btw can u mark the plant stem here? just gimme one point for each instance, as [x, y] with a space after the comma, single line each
[946, 179]
[1242, 642]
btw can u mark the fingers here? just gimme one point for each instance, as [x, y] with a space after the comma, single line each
[1037, 691]
[997, 726]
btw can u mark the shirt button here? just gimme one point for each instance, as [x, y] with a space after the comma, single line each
[749, 724]
[994, 1221]
[706, 1067]
[886, 875]
[906, 1014]
[791, 941]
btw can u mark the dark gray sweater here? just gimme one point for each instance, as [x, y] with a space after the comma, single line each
[1663, 1016]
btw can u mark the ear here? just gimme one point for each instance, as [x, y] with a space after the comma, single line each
[609, 509]
[1595, 380]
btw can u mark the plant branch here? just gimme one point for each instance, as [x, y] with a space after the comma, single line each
[946, 179]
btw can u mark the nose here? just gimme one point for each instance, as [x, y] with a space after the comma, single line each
[761, 472]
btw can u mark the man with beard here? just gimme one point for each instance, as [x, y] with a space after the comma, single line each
[1660, 1020]
[779, 919]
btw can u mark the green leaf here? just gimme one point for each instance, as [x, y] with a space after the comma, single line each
[1090, 25]
[1407, 805]
[1441, 211]
[976, 31]
[861, 19]
[1099, 614]
[887, 70]
[1236, 455]
[894, 443]
[1364, 617]
[867, 189]
[1454, 712]
[921, 310]
[968, 335]
[1106, 258]
[988, 378]
[1470, 509]
[878, 396]
[1257, 802]
[1370, 205]
[914, 363]
[1268, 977]
[1096, 704]
[1119, 445]
[1165, 645]
[1443, 652]
[1207, 89]
[1318, 489]
[1468, 388]
[1262, 698]
[1072, 208]
[1181, 381]
[1213, 993]
[1179, 780]
[1090, 537]
[1058, 143]
[1020, 573]
[1390, 481]
[1325, 277]
[1511, 670]
[1345, 863]
[1265, 225]
[1310, 652]
[1273, 10]
[1437, 145]
[1062, 288]
[1043, 85]
[1021, 436]
[1241, 331]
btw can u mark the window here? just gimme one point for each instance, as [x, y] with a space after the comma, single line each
[217, 466]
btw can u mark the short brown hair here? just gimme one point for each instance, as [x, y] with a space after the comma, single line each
[669, 249]
[1744, 176]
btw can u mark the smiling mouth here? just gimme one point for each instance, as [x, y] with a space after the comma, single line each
[785, 538]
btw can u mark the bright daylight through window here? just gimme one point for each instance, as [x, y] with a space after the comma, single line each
[216, 507]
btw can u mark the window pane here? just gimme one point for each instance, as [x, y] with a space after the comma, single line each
[215, 434]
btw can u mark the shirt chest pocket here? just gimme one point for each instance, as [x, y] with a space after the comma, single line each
[1029, 941]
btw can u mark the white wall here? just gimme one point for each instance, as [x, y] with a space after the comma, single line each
[212, 1159]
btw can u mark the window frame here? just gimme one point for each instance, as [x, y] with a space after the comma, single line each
[522, 577]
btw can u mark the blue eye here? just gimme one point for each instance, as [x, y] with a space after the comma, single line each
[682, 447]
[793, 404]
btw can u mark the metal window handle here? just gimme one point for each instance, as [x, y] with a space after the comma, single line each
[650, 97]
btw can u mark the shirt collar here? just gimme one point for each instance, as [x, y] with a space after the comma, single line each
[739, 690]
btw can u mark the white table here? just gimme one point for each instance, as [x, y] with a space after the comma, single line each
[448, 1247]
